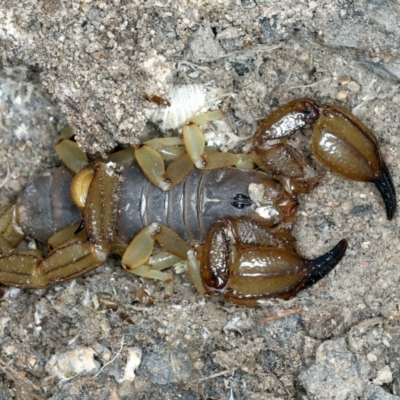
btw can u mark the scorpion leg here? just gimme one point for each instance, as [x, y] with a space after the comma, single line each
[162, 260]
[69, 152]
[154, 267]
[247, 263]
[66, 234]
[71, 257]
[194, 268]
[121, 157]
[152, 165]
[151, 154]
[194, 141]
[170, 148]
[75, 257]
[138, 252]
[26, 269]
[10, 232]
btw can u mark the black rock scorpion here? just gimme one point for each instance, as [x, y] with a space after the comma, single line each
[233, 225]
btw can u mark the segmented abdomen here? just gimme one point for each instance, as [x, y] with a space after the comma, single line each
[190, 208]
[141, 203]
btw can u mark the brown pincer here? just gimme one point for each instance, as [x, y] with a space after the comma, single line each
[340, 141]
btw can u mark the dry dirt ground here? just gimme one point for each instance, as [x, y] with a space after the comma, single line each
[91, 64]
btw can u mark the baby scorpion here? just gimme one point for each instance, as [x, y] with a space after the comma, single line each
[124, 203]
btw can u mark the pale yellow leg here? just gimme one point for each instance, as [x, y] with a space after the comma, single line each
[195, 144]
[152, 154]
[193, 266]
[170, 148]
[170, 241]
[152, 165]
[10, 233]
[208, 116]
[163, 260]
[140, 248]
[178, 170]
[69, 152]
[137, 255]
[147, 272]
[170, 153]
[26, 269]
[194, 140]
[122, 157]
[66, 234]
[245, 162]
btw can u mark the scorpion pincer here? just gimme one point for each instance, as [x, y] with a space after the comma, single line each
[232, 225]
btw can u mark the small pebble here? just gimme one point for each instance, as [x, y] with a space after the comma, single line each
[354, 86]
[384, 376]
[134, 359]
[74, 362]
[341, 95]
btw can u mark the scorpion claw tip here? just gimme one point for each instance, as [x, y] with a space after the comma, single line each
[321, 266]
[385, 186]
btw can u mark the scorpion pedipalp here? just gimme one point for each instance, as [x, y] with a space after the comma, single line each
[340, 141]
[346, 146]
[247, 263]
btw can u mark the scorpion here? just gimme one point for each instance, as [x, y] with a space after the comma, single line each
[230, 222]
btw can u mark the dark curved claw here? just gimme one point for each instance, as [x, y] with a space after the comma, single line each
[346, 146]
[385, 186]
[244, 262]
[321, 266]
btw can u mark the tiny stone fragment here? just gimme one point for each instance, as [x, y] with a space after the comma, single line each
[241, 67]
[78, 361]
[134, 359]
[341, 95]
[362, 209]
[384, 376]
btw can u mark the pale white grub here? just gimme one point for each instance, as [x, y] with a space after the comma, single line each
[186, 101]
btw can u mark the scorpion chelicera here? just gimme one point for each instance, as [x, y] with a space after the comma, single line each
[233, 226]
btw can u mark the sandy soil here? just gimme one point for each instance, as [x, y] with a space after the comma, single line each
[339, 339]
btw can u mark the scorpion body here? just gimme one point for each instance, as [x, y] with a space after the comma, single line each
[190, 208]
[233, 226]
